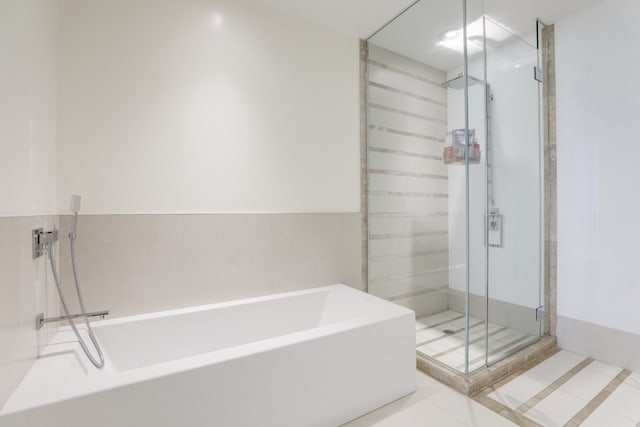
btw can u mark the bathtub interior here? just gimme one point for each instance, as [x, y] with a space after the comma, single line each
[135, 342]
[147, 341]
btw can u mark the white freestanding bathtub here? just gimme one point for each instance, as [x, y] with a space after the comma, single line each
[318, 357]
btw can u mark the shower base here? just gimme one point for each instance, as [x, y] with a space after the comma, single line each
[441, 351]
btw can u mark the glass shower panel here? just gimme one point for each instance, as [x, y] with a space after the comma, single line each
[475, 109]
[416, 212]
[467, 189]
[454, 180]
[514, 208]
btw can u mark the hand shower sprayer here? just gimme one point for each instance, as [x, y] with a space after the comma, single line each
[43, 242]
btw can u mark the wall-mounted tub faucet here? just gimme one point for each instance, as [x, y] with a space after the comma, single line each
[43, 243]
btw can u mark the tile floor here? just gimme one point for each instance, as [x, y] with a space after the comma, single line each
[432, 341]
[564, 390]
[568, 389]
[433, 404]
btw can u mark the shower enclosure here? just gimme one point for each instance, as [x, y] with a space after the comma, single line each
[455, 179]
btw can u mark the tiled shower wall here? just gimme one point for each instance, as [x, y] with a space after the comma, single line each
[408, 182]
[132, 264]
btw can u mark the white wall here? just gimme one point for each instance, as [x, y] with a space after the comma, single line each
[28, 88]
[598, 102]
[28, 58]
[205, 106]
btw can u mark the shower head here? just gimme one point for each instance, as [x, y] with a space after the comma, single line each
[458, 81]
[75, 203]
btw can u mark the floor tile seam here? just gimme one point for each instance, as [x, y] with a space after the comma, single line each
[483, 398]
[505, 411]
[598, 399]
[554, 386]
[519, 372]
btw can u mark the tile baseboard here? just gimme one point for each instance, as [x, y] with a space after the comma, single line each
[608, 345]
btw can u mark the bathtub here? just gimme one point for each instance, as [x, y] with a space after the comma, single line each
[317, 357]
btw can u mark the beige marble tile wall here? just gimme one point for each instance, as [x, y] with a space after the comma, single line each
[26, 289]
[407, 183]
[133, 264]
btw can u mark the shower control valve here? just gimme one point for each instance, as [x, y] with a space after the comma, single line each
[41, 240]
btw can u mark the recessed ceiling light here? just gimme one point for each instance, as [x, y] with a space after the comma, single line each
[217, 21]
[449, 35]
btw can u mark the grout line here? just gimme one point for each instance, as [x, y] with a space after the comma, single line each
[407, 133]
[594, 403]
[409, 194]
[404, 153]
[404, 73]
[408, 255]
[406, 214]
[409, 275]
[407, 113]
[407, 93]
[553, 386]
[508, 413]
[407, 235]
[410, 174]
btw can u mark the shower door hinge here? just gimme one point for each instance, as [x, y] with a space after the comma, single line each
[540, 313]
[538, 74]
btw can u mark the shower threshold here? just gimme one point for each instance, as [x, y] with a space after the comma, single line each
[440, 350]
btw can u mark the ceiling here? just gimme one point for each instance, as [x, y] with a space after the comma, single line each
[359, 18]
[416, 33]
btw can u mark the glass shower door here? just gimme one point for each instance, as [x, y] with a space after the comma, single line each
[514, 225]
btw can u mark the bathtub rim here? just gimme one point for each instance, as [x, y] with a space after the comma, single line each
[97, 381]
